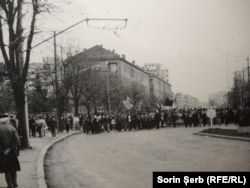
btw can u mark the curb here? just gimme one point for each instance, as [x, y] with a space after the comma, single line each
[40, 162]
[224, 137]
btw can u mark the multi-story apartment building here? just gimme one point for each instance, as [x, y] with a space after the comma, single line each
[183, 101]
[159, 89]
[128, 73]
[158, 69]
[239, 96]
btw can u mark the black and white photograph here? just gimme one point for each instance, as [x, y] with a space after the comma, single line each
[124, 93]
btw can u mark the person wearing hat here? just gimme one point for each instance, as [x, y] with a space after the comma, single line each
[9, 142]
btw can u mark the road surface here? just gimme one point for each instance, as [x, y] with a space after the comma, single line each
[127, 159]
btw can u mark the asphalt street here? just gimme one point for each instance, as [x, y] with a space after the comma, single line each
[127, 159]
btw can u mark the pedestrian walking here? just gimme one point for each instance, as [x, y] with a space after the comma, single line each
[67, 123]
[204, 118]
[41, 126]
[53, 126]
[9, 143]
[113, 123]
[157, 119]
[32, 125]
[38, 126]
[14, 122]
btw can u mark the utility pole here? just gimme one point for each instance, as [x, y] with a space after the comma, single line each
[55, 64]
[108, 87]
[228, 82]
[58, 100]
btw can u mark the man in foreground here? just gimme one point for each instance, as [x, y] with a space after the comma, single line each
[9, 142]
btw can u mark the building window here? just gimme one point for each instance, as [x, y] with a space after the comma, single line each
[113, 67]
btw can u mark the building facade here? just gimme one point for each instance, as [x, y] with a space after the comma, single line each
[184, 101]
[239, 96]
[159, 89]
[160, 70]
[218, 99]
[138, 80]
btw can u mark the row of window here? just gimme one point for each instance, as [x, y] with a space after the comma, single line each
[134, 73]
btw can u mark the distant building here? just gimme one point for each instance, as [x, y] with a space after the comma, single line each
[218, 99]
[46, 73]
[185, 101]
[239, 96]
[34, 70]
[160, 70]
[159, 89]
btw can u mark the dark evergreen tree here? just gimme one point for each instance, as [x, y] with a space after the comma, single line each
[38, 100]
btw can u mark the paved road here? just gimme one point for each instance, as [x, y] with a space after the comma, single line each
[127, 159]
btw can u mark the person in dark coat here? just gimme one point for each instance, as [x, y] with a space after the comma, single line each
[13, 122]
[185, 118]
[174, 118]
[195, 118]
[9, 143]
[204, 118]
[32, 124]
[157, 119]
[87, 125]
[67, 123]
[53, 126]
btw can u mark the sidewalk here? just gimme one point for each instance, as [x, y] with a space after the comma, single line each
[28, 177]
[230, 126]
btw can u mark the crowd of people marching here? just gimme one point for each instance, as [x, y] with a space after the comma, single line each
[95, 124]
[158, 119]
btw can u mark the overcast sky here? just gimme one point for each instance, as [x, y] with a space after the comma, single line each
[198, 40]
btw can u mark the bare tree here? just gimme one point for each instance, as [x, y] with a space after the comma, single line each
[86, 82]
[118, 92]
[75, 74]
[137, 93]
[17, 59]
[93, 87]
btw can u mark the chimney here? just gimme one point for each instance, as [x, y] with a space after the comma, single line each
[113, 51]
[84, 49]
[133, 62]
[101, 45]
[123, 56]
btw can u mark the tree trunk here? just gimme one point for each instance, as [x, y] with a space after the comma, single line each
[95, 107]
[76, 105]
[23, 130]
